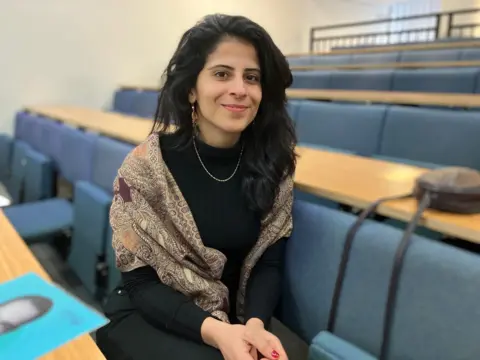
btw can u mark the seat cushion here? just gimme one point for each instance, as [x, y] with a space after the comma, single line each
[38, 219]
[327, 346]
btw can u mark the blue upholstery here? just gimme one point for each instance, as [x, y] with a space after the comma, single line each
[429, 55]
[326, 346]
[437, 312]
[39, 177]
[6, 146]
[444, 137]
[52, 137]
[325, 148]
[123, 100]
[76, 154]
[29, 129]
[145, 104]
[37, 219]
[355, 128]
[460, 80]
[362, 80]
[15, 184]
[316, 79]
[90, 225]
[292, 108]
[331, 59]
[21, 125]
[311, 263]
[300, 61]
[376, 58]
[470, 54]
[34, 137]
[108, 156]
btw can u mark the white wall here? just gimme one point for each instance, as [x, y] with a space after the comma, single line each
[78, 52]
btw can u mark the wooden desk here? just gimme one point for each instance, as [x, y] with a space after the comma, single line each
[359, 181]
[389, 97]
[348, 179]
[131, 129]
[405, 47]
[16, 259]
[395, 65]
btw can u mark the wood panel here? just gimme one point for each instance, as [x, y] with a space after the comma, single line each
[16, 259]
[349, 179]
[395, 65]
[405, 47]
[388, 97]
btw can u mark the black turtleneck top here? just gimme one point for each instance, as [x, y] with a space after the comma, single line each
[225, 223]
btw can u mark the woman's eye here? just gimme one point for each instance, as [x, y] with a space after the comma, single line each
[253, 78]
[221, 74]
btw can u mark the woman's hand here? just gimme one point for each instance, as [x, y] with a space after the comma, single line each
[265, 342]
[229, 339]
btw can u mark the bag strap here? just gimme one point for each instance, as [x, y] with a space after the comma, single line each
[396, 272]
[342, 268]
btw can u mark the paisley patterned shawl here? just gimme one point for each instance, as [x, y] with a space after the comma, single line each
[153, 225]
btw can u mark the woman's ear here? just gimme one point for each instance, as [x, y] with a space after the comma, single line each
[192, 96]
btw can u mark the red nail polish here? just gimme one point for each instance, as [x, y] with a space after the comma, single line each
[275, 354]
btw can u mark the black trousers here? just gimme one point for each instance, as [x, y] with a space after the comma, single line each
[129, 337]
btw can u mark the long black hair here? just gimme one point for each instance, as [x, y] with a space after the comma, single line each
[269, 143]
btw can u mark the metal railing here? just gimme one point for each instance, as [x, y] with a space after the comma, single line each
[407, 29]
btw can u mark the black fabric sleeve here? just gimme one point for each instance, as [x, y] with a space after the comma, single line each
[264, 284]
[162, 306]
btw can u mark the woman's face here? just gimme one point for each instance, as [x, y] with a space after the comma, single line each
[228, 92]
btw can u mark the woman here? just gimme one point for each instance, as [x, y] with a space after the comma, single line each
[200, 215]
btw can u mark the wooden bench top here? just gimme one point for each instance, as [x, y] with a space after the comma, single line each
[16, 259]
[359, 181]
[387, 97]
[349, 179]
[395, 65]
[404, 47]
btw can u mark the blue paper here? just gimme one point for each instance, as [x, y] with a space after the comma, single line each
[36, 317]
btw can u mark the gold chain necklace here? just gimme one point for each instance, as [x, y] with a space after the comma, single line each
[208, 172]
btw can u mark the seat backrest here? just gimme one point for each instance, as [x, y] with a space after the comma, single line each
[470, 54]
[362, 80]
[311, 265]
[6, 146]
[292, 108]
[436, 80]
[76, 158]
[123, 100]
[145, 104]
[300, 61]
[356, 128]
[331, 59]
[15, 184]
[20, 125]
[376, 58]
[107, 158]
[316, 79]
[444, 137]
[430, 55]
[437, 312]
[39, 177]
[52, 138]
